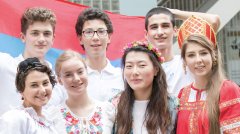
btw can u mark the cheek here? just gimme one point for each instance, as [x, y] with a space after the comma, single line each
[127, 74]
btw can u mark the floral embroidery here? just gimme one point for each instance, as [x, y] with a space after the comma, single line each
[83, 125]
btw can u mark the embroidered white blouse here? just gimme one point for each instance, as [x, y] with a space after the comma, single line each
[25, 121]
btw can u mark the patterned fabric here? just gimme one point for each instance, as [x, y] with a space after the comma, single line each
[78, 125]
[196, 25]
[192, 115]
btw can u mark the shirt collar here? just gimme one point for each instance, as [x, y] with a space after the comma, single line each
[109, 68]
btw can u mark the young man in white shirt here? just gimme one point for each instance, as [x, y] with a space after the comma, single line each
[94, 30]
[160, 31]
[37, 33]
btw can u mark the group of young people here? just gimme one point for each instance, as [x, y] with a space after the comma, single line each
[154, 92]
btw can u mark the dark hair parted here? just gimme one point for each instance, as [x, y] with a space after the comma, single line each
[215, 79]
[92, 14]
[27, 66]
[35, 14]
[157, 115]
[159, 10]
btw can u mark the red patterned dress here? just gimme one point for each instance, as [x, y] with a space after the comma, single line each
[192, 115]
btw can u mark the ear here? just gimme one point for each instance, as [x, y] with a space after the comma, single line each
[54, 35]
[59, 80]
[109, 38]
[80, 39]
[146, 34]
[23, 37]
[175, 29]
[156, 71]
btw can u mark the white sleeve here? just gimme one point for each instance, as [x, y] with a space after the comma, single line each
[14, 122]
[109, 116]
[59, 95]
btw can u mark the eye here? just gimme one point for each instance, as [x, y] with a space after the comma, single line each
[34, 85]
[154, 27]
[190, 55]
[35, 33]
[80, 72]
[47, 34]
[46, 83]
[67, 75]
[204, 53]
[165, 25]
[128, 66]
[88, 31]
[142, 65]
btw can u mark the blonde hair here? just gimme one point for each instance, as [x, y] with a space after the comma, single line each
[215, 79]
[68, 54]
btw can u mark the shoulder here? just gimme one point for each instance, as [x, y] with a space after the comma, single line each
[14, 119]
[229, 90]
[173, 102]
[6, 57]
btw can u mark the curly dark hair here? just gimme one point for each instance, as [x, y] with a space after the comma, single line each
[92, 14]
[157, 115]
[29, 65]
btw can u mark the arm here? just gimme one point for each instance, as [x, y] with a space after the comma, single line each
[229, 105]
[213, 19]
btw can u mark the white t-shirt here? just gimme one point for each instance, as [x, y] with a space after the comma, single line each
[106, 84]
[9, 97]
[176, 77]
[139, 109]
[25, 121]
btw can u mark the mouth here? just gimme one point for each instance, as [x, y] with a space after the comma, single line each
[42, 97]
[160, 39]
[199, 67]
[77, 85]
[96, 45]
[135, 81]
[40, 46]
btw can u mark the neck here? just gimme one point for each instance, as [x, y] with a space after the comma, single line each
[167, 54]
[200, 83]
[27, 55]
[96, 63]
[143, 94]
[78, 101]
[38, 110]
[81, 106]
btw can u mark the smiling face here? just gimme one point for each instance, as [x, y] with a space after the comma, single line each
[38, 39]
[95, 46]
[38, 90]
[160, 31]
[198, 59]
[73, 76]
[139, 72]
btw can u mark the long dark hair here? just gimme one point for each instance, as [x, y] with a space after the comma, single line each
[157, 115]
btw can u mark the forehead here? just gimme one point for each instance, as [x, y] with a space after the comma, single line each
[192, 47]
[72, 64]
[159, 19]
[94, 24]
[36, 76]
[137, 57]
[40, 26]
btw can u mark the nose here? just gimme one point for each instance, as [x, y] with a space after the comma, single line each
[198, 58]
[135, 70]
[160, 31]
[76, 77]
[42, 90]
[95, 35]
[41, 38]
